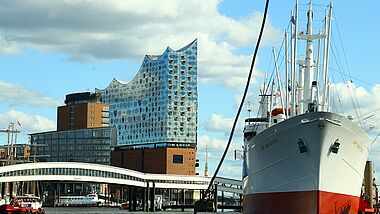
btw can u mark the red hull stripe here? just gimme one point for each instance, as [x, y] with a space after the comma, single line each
[305, 202]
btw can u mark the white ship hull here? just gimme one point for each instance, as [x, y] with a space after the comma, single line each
[282, 179]
[88, 200]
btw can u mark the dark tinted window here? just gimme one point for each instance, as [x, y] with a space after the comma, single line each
[177, 158]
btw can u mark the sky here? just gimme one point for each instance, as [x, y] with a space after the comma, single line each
[52, 48]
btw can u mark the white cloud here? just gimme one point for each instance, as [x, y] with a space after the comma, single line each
[218, 123]
[120, 29]
[357, 101]
[222, 124]
[7, 47]
[211, 143]
[219, 64]
[29, 123]
[16, 94]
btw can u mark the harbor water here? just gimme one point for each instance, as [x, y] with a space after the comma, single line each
[106, 210]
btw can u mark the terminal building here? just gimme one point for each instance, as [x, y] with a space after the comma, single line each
[155, 114]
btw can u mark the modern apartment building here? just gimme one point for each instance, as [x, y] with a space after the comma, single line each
[82, 110]
[155, 114]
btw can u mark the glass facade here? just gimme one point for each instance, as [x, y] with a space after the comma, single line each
[160, 104]
[84, 145]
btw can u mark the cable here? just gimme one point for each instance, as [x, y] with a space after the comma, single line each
[352, 94]
[240, 107]
[352, 78]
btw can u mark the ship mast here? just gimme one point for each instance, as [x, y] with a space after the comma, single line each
[307, 93]
[326, 57]
[309, 59]
[294, 33]
[286, 76]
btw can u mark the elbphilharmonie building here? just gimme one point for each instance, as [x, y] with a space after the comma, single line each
[157, 110]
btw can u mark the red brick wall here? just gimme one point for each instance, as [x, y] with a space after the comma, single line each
[96, 112]
[80, 116]
[84, 116]
[63, 118]
[158, 160]
[188, 166]
[155, 160]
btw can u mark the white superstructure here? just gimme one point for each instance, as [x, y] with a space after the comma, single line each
[87, 200]
[30, 201]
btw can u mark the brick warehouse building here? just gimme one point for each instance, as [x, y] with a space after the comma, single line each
[155, 114]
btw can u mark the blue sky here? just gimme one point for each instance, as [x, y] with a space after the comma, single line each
[51, 48]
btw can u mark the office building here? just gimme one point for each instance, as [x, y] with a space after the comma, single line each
[81, 145]
[83, 132]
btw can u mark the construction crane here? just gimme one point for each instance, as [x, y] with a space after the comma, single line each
[12, 139]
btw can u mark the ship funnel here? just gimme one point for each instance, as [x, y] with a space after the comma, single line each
[313, 105]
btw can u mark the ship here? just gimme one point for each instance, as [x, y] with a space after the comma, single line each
[299, 156]
[89, 200]
[23, 204]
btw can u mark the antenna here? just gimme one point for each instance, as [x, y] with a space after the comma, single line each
[206, 164]
[249, 109]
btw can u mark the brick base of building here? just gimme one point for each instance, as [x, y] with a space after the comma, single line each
[167, 160]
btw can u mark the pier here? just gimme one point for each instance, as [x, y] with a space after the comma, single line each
[142, 191]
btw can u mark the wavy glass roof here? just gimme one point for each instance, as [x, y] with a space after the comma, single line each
[160, 105]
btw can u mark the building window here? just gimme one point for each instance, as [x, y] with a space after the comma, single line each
[177, 158]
